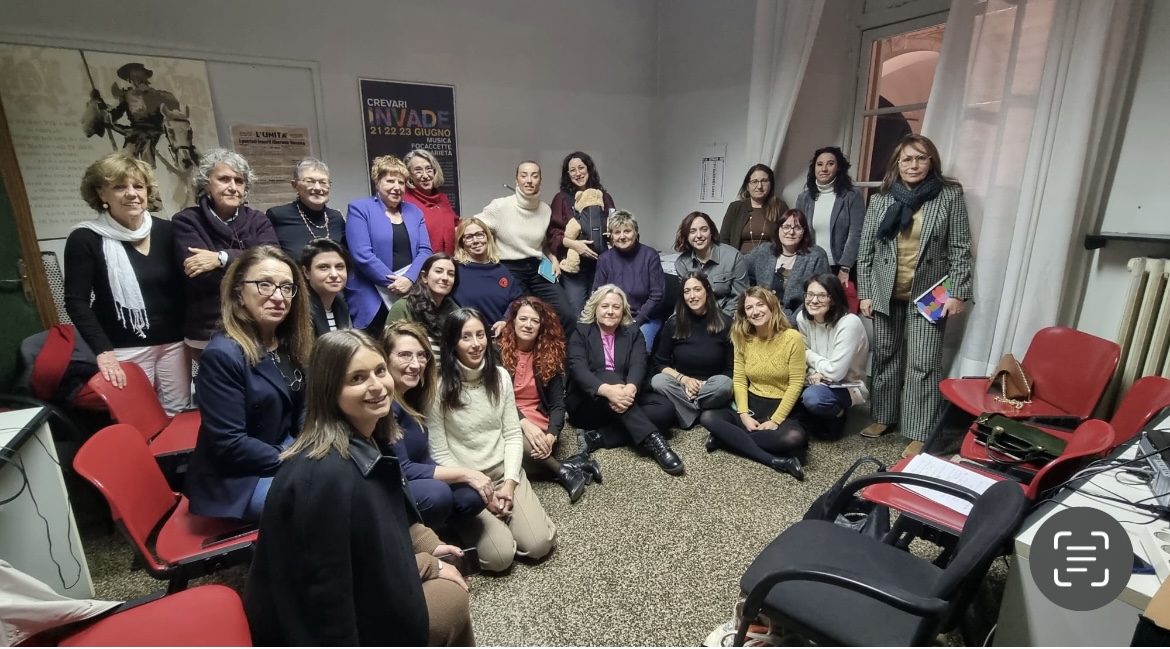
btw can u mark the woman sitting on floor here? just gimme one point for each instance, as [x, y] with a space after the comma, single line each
[836, 351]
[344, 559]
[476, 426]
[768, 377]
[693, 362]
[429, 300]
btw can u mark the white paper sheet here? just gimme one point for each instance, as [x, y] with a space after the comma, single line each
[933, 467]
[1164, 424]
[389, 298]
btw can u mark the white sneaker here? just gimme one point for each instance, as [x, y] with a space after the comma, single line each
[758, 635]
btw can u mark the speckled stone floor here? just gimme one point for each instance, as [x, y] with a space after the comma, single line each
[643, 559]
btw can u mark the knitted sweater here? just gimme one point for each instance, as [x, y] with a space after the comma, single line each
[439, 216]
[838, 352]
[481, 435]
[490, 288]
[638, 272]
[519, 224]
[773, 369]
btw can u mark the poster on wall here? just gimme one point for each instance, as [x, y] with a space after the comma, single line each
[273, 152]
[711, 179]
[400, 116]
[67, 108]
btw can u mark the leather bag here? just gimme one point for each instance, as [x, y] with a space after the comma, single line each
[1012, 382]
[1016, 440]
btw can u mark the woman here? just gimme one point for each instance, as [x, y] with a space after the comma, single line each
[250, 386]
[836, 209]
[767, 379]
[532, 350]
[636, 269]
[214, 233]
[326, 267]
[723, 265]
[308, 217]
[520, 223]
[785, 264]
[422, 191]
[429, 300]
[476, 427]
[692, 364]
[916, 233]
[607, 374]
[389, 243]
[745, 225]
[344, 559]
[484, 283]
[123, 288]
[836, 349]
[444, 495]
[578, 173]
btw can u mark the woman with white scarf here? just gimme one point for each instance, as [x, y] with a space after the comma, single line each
[123, 285]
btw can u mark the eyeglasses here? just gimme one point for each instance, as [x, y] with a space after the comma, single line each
[407, 357]
[314, 182]
[267, 289]
[475, 236]
[791, 227]
[427, 170]
[758, 181]
[906, 161]
[815, 297]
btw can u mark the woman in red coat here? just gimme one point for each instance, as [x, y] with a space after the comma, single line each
[422, 189]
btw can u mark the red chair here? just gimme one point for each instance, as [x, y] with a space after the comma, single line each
[1090, 441]
[172, 543]
[1145, 399]
[206, 616]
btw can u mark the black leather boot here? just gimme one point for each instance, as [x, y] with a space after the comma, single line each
[789, 465]
[712, 443]
[587, 465]
[663, 455]
[573, 480]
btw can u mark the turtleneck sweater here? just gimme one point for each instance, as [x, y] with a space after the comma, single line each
[638, 272]
[440, 218]
[480, 435]
[822, 217]
[520, 225]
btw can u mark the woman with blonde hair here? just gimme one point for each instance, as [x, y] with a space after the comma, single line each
[422, 190]
[485, 284]
[345, 560]
[767, 379]
[388, 241]
[123, 283]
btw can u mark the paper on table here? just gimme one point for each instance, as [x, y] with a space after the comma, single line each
[932, 467]
[389, 298]
[1164, 424]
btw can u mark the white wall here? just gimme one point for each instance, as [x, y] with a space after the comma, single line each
[533, 79]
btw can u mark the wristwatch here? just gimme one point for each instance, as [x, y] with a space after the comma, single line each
[223, 258]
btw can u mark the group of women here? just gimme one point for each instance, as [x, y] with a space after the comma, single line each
[474, 353]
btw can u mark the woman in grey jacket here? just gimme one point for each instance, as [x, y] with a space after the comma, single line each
[785, 264]
[834, 207]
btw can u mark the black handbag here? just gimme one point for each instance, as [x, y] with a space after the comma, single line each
[859, 515]
[1016, 440]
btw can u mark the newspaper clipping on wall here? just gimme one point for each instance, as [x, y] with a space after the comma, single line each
[273, 152]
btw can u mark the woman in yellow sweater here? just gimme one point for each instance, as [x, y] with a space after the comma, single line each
[767, 379]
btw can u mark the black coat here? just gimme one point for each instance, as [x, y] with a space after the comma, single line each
[587, 358]
[335, 564]
[317, 311]
[552, 401]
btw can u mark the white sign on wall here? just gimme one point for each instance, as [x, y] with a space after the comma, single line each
[711, 180]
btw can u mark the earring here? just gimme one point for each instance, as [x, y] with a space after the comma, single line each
[105, 206]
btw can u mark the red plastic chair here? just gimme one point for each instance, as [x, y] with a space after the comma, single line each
[205, 616]
[1091, 440]
[138, 405]
[172, 543]
[1145, 399]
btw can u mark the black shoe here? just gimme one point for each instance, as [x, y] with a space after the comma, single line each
[571, 478]
[666, 458]
[712, 443]
[789, 465]
[587, 465]
[588, 441]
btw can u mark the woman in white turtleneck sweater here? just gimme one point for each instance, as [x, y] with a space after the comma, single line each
[835, 352]
[834, 208]
[477, 427]
[520, 224]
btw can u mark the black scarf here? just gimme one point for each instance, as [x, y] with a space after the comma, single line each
[900, 214]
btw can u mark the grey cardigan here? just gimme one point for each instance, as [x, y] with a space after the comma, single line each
[762, 270]
[726, 270]
[844, 224]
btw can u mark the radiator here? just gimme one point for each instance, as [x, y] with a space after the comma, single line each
[1144, 334]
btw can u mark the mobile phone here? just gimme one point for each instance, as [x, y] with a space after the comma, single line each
[229, 535]
[467, 565]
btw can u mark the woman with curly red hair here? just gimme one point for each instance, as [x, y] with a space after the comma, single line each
[532, 349]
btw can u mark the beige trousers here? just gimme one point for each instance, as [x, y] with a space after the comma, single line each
[528, 532]
[449, 610]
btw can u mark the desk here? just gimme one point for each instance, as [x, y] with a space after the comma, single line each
[1027, 618]
[24, 540]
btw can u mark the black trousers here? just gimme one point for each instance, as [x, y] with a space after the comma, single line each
[526, 271]
[651, 413]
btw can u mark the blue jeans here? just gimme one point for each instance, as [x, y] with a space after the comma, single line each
[650, 332]
[825, 407]
[260, 493]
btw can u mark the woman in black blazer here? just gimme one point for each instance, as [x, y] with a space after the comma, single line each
[326, 267]
[532, 349]
[250, 386]
[607, 372]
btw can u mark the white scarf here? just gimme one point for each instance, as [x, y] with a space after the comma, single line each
[123, 282]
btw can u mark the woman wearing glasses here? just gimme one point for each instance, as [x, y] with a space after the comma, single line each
[836, 349]
[916, 234]
[786, 263]
[250, 386]
[745, 225]
[308, 217]
[422, 191]
[484, 283]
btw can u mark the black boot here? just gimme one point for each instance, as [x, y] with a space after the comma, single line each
[663, 455]
[712, 443]
[789, 465]
[587, 465]
[571, 478]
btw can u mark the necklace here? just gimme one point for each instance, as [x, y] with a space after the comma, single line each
[309, 224]
[298, 379]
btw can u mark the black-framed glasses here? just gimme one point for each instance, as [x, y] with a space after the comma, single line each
[791, 227]
[812, 297]
[475, 236]
[405, 357]
[267, 288]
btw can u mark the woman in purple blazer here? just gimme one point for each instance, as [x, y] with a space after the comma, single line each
[385, 236]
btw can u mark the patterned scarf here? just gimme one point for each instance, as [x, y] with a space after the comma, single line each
[900, 214]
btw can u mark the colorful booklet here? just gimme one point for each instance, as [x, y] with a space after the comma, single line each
[930, 304]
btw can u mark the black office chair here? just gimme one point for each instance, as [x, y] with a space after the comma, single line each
[837, 587]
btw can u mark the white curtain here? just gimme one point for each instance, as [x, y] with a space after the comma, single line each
[784, 37]
[1024, 110]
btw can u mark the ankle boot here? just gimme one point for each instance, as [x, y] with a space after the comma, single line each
[571, 478]
[663, 455]
[789, 465]
[712, 443]
[587, 465]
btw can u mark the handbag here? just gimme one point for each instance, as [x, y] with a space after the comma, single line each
[1014, 384]
[859, 515]
[1016, 440]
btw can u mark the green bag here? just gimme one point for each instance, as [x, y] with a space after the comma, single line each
[1016, 440]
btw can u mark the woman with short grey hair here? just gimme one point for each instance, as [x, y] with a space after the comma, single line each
[422, 190]
[635, 268]
[214, 232]
[308, 217]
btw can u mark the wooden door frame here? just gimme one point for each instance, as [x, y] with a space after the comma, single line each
[22, 212]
